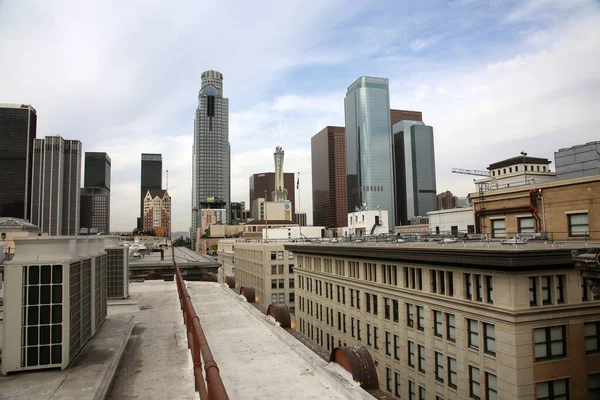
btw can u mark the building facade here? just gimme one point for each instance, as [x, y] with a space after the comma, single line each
[369, 158]
[517, 171]
[265, 183]
[95, 194]
[414, 162]
[18, 126]
[446, 201]
[157, 211]
[275, 210]
[300, 218]
[237, 212]
[95, 209]
[578, 161]
[561, 210]
[211, 177]
[269, 269]
[56, 181]
[456, 324]
[151, 179]
[329, 184]
[367, 222]
[455, 221]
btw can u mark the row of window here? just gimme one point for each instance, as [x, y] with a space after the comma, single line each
[532, 168]
[278, 255]
[279, 269]
[577, 225]
[483, 285]
[551, 342]
[280, 298]
[280, 283]
[546, 290]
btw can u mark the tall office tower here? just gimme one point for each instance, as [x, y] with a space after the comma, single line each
[369, 158]
[414, 162]
[280, 193]
[329, 185]
[18, 123]
[151, 180]
[95, 194]
[56, 180]
[265, 183]
[211, 178]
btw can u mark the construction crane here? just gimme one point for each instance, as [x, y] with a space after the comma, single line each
[475, 172]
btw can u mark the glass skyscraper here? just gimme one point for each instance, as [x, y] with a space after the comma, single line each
[151, 179]
[369, 157]
[211, 178]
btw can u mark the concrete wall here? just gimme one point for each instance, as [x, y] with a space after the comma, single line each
[446, 219]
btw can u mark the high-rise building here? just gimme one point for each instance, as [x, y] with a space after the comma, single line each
[369, 157]
[300, 219]
[237, 212]
[405, 115]
[157, 211]
[211, 163]
[97, 170]
[56, 177]
[265, 182]
[414, 162]
[151, 179]
[577, 161]
[329, 185]
[446, 201]
[18, 123]
[95, 195]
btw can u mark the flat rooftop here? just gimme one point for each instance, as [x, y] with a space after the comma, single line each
[183, 256]
[259, 360]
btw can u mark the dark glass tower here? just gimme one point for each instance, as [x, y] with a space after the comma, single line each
[151, 179]
[95, 195]
[17, 132]
[97, 170]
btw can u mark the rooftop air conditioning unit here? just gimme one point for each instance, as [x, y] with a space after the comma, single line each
[117, 269]
[55, 300]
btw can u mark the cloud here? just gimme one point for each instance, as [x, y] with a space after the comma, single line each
[420, 44]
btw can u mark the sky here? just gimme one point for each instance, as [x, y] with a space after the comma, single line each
[493, 78]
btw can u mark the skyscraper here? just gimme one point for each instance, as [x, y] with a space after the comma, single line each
[151, 179]
[369, 146]
[329, 185]
[18, 124]
[446, 200]
[211, 179]
[56, 177]
[95, 195]
[265, 181]
[414, 162]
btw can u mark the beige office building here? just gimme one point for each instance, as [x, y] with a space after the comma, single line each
[269, 269]
[456, 321]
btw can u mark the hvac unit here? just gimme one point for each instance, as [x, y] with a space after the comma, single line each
[117, 272]
[55, 301]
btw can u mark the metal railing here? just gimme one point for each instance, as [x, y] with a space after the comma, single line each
[213, 389]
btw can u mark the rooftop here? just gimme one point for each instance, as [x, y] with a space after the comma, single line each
[17, 224]
[518, 160]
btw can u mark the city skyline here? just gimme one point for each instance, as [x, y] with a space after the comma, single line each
[466, 64]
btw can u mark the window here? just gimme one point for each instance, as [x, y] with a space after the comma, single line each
[280, 255]
[533, 291]
[290, 256]
[578, 224]
[388, 379]
[351, 297]
[396, 384]
[280, 269]
[450, 279]
[395, 310]
[451, 327]
[358, 330]
[489, 289]
[421, 358]
[282, 297]
[437, 324]
[592, 339]
[375, 337]
[369, 335]
[388, 343]
[478, 288]
[553, 390]
[474, 383]
[420, 318]
[411, 354]
[489, 336]
[410, 316]
[594, 386]
[525, 225]
[560, 288]
[439, 367]
[290, 268]
[273, 283]
[491, 386]
[368, 302]
[292, 299]
[273, 269]
[412, 390]
[358, 299]
[433, 275]
[273, 255]
[274, 298]
[422, 393]
[473, 327]
[386, 303]
[549, 343]
[375, 305]
[396, 347]
[498, 228]
[452, 376]
[468, 287]
[291, 283]
[352, 326]
[281, 283]
[546, 290]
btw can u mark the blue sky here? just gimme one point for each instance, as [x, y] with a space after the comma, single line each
[492, 77]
